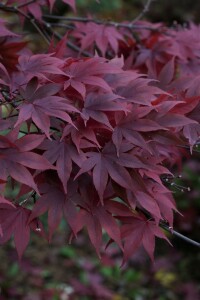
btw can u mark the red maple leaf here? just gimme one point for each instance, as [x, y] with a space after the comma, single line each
[104, 37]
[96, 106]
[39, 65]
[95, 216]
[41, 104]
[138, 231]
[16, 158]
[106, 164]
[63, 154]
[81, 80]
[14, 221]
[57, 203]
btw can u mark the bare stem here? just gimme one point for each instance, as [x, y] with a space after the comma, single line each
[179, 235]
[29, 18]
[143, 12]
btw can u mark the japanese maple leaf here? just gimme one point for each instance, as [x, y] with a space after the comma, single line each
[16, 158]
[138, 231]
[41, 104]
[131, 127]
[56, 203]
[59, 50]
[96, 106]
[14, 221]
[173, 120]
[139, 91]
[88, 72]
[164, 199]
[106, 164]
[95, 216]
[4, 32]
[9, 53]
[101, 35]
[81, 134]
[33, 8]
[149, 203]
[63, 154]
[39, 65]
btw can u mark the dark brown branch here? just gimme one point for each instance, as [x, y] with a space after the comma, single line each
[29, 18]
[41, 31]
[179, 235]
[62, 25]
[101, 22]
[164, 225]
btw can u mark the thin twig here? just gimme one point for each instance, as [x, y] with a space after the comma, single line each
[181, 236]
[29, 18]
[143, 12]
[42, 32]
[62, 25]
[69, 44]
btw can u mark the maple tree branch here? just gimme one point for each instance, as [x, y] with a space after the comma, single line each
[16, 10]
[62, 25]
[69, 44]
[181, 236]
[143, 12]
[42, 32]
[100, 22]
[163, 225]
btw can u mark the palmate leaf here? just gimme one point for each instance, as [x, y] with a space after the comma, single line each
[9, 53]
[108, 132]
[106, 164]
[137, 231]
[16, 158]
[41, 104]
[63, 154]
[96, 68]
[96, 106]
[81, 134]
[14, 221]
[103, 168]
[102, 36]
[57, 204]
[39, 65]
[94, 217]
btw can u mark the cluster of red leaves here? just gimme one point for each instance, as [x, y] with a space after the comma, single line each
[89, 139]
